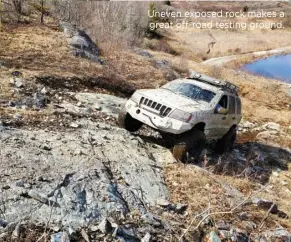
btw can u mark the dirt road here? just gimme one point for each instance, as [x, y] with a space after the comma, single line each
[220, 61]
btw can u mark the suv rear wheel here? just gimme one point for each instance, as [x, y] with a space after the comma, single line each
[226, 142]
[129, 123]
[189, 145]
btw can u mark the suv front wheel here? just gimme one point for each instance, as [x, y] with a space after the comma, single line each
[190, 145]
[129, 123]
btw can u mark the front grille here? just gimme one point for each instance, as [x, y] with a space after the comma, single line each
[163, 110]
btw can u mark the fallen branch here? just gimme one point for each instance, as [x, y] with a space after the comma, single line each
[266, 215]
[230, 211]
[198, 215]
[217, 213]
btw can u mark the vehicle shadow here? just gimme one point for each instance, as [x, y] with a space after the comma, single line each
[252, 160]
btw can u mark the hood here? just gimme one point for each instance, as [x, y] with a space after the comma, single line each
[173, 100]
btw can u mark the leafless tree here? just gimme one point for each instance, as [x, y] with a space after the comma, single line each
[41, 11]
[18, 5]
[120, 23]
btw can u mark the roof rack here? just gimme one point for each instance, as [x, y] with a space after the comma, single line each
[213, 81]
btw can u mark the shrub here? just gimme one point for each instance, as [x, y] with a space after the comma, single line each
[216, 72]
[163, 46]
[180, 65]
[152, 32]
[159, 45]
[237, 50]
[202, 56]
[245, 8]
[287, 22]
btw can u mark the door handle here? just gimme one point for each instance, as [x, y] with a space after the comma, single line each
[223, 118]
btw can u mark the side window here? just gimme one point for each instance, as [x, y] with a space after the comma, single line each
[231, 109]
[223, 101]
[238, 106]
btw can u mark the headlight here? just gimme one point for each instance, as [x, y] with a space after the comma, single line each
[181, 115]
[135, 97]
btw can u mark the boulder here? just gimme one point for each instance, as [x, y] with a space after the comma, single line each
[18, 82]
[266, 205]
[60, 237]
[80, 42]
[3, 223]
[269, 137]
[146, 238]
[213, 237]
[279, 234]
[247, 125]
[3, 64]
[143, 53]
[105, 226]
[161, 64]
[271, 126]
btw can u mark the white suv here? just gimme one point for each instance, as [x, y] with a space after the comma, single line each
[190, 111]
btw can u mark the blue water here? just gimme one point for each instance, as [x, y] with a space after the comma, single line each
[277, 67]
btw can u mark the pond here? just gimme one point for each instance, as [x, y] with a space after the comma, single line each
[277, 67]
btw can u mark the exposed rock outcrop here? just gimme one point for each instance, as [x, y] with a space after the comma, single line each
[79, 177]
[80, 42]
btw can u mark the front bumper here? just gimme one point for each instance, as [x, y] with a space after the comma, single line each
[155, 121]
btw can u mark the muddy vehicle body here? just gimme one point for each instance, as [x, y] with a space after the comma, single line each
[189, 111]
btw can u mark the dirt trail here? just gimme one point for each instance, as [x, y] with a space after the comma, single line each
[220, 61]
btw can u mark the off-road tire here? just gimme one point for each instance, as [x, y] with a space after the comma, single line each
[226, 142]
[190, 145]
[127, 122]
[168, 140]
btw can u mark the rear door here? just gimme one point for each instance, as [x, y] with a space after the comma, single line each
[238, 110]
[231, 111]
[220, 121]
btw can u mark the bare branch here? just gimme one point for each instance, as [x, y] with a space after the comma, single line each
[217, 213]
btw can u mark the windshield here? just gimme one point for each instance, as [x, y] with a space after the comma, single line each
[191, 91]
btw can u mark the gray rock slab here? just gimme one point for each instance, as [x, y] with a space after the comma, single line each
[113, 174]
[108, 104]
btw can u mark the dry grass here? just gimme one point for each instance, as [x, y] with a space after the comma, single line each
[216, 72]
[241, 42]
[202, 189]
[35, 51]
[160, 45]
[180, 64]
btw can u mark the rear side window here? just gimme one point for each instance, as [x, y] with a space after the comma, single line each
[238, 106]
[231, 109]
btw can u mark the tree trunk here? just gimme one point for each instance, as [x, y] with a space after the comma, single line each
[1, 9]
[18, 6]
[42, 11]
